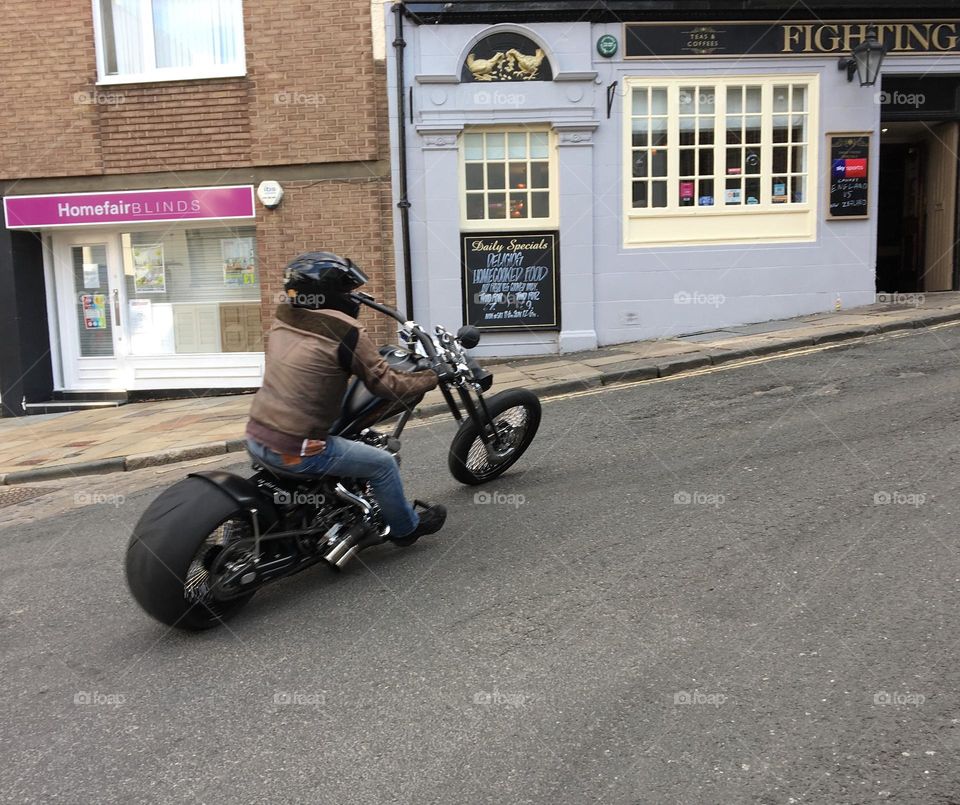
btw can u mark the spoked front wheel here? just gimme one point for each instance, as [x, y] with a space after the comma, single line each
[516, 416]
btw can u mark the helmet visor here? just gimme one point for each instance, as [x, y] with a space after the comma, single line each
[356, 276]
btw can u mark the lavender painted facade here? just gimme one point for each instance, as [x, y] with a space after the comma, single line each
[613, 290]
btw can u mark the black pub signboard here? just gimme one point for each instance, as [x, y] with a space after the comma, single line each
[849, 175]
[510, 280]
[644, 40]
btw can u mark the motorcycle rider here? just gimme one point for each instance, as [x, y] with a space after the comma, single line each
[314, 346]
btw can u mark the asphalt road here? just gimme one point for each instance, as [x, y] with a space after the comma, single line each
[734, 587]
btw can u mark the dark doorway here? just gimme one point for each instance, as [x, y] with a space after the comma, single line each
[917, 207]
[900, 218]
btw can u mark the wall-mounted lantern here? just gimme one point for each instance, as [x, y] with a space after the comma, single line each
[865, 60]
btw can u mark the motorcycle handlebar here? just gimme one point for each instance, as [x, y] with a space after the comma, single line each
[423, 337]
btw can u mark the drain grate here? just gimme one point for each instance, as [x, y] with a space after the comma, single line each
[11, 496]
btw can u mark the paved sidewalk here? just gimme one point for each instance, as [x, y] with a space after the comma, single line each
[152, 433]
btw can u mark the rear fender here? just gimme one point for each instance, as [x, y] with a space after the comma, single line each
[246, 494]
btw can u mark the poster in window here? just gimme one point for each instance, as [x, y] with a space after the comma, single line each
[94, 307]
[143, 339]
[733, 195]
[239, 262]
[91, 276]
[510, 281]
[149, 273]
[139, 317]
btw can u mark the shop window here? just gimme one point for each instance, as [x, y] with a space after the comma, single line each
[157, 40]
[507, 178]
[192, 291]
[736, 154]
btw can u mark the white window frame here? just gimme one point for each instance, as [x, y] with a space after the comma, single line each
[766, 222]
[501, 224]
[163, 73]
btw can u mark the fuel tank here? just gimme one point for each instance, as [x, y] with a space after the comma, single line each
[362, 409]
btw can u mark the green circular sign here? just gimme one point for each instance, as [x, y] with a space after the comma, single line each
[607, 45]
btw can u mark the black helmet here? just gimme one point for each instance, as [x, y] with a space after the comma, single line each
[318, 280]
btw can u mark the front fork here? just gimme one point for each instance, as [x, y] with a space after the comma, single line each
[479, 413]
[476, 410]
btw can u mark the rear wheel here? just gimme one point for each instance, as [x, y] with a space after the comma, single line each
[173, 549]
[516, 416]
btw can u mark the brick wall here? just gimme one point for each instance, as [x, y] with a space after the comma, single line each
[310, 96]
[48, 127]
[180, 125]
[348, 218]
[313, 94]
[313, 87]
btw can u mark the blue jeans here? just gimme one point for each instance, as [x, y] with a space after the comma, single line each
[347, 459]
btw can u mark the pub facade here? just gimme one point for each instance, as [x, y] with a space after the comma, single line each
[569, 176]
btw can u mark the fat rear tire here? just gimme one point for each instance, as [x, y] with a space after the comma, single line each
[466, 448]
[165, 543]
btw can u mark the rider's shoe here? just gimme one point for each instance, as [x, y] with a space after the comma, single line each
[432, 519]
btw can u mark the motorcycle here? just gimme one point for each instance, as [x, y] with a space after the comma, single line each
[205, 546]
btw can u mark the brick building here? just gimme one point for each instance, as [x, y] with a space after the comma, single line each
[136, 255]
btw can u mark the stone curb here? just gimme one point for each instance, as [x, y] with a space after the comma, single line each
[173, 455]
[58, 472]
[832, 336]
[636, 371]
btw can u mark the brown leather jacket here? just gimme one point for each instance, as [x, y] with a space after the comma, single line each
[311, 355]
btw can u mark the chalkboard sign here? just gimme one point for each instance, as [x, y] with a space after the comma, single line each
[510, 281]
[849, 175]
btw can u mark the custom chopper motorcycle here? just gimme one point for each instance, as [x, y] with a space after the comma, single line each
[207, 544]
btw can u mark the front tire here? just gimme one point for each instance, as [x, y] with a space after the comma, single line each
[516, 413]
[167, 552]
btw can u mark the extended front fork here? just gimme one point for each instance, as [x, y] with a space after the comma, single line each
[476, 410]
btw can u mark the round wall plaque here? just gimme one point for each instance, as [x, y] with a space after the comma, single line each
[607, 45]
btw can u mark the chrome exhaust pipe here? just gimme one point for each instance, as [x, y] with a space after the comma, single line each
[360, 537]
[339, 563]
[357, 538]
[335, 556]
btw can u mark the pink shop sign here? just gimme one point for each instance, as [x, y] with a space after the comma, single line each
[129, 207]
